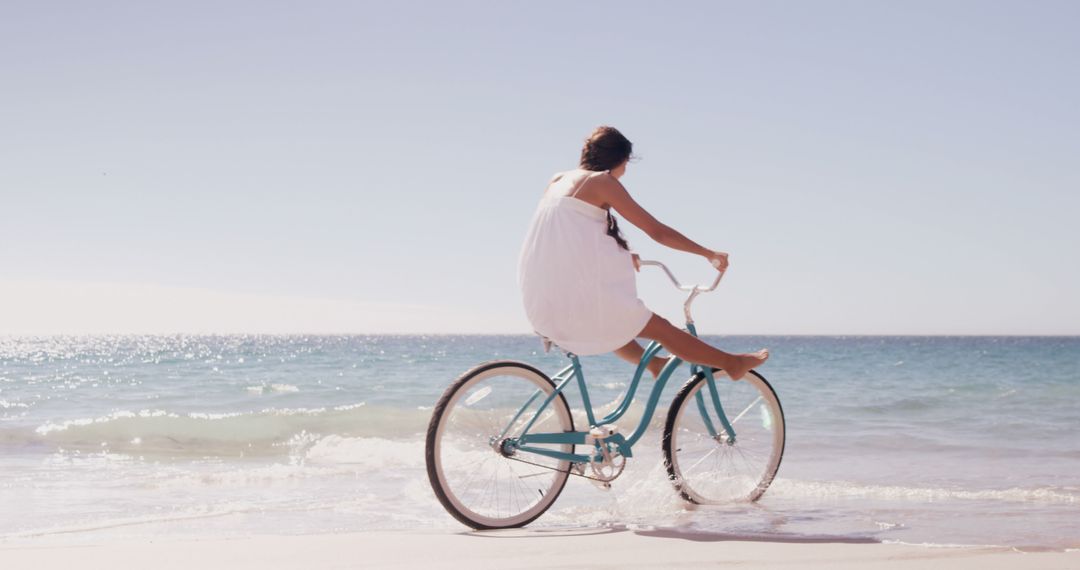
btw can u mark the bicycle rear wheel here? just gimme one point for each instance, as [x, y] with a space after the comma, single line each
[479, 481]
[704, 465]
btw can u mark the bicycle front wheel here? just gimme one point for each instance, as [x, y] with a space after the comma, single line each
[705, 464]
[480, 481]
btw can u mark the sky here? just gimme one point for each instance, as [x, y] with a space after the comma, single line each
[354, 167]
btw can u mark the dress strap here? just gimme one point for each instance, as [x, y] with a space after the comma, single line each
[573, 192]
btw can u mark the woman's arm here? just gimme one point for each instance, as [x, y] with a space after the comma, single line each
[616, 196]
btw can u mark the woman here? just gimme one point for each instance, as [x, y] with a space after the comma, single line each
[577, 273]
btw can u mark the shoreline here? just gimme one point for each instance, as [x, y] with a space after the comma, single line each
[521, 548]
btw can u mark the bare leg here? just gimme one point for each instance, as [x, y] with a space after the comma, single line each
[632, 353]
[688, 347]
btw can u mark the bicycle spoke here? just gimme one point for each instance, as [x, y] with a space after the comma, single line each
[481, 486]
[711, 469]
[703, 458]
[747, 409]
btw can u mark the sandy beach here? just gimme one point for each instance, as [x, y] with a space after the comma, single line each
[605, 548]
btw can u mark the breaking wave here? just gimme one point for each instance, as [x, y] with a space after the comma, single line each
[264, 432]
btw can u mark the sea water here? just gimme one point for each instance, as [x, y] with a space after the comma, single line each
[926, 440]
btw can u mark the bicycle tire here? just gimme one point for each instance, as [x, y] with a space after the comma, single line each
[493, 508]
[741, 471]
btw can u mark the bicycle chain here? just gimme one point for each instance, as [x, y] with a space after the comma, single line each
[568, 471]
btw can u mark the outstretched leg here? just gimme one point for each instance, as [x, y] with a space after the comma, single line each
[691, 349]
[632, 352]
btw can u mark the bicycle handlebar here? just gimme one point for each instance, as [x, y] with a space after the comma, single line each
[689, 288]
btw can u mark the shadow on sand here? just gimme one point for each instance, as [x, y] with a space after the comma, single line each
[673, 533]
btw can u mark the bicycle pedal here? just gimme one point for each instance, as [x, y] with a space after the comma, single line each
[602, 431]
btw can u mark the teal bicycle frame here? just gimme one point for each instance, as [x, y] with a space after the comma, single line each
[524, 441]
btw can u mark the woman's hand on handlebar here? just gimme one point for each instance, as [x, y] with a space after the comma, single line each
[718, 259]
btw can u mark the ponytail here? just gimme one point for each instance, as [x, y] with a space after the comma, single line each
[613, 231]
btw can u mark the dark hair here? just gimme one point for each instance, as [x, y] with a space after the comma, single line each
[605, 149]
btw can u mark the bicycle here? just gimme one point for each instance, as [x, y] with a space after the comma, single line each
[501, 442]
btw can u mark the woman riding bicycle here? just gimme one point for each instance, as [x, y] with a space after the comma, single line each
[577, 273]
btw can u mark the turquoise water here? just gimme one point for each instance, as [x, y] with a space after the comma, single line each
[936, 440]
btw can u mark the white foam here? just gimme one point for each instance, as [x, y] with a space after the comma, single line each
[789, 488]
[245, 477]
[272, 388]
[50, 427]
[266, 431]
[369, 452]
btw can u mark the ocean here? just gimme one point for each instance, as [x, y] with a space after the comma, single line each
[920, 440]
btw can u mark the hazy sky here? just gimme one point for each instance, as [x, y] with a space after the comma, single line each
[873, 167]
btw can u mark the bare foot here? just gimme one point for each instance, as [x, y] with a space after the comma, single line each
[656, 364]
[742, 363]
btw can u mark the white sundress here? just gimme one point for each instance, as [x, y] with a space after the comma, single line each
[577, 284]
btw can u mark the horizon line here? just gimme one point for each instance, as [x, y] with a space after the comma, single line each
[436, 334]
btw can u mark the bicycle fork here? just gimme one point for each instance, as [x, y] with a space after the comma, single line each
[727, 435]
